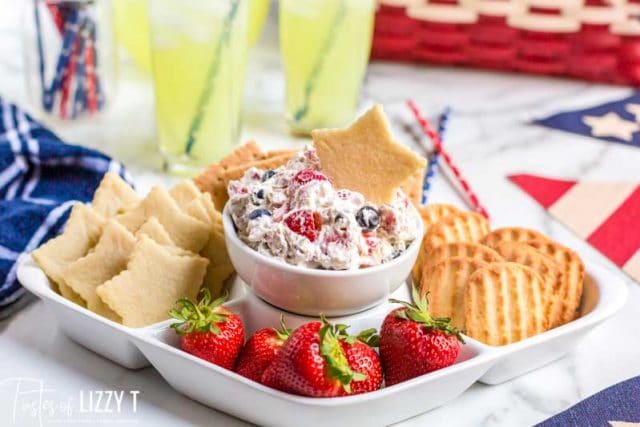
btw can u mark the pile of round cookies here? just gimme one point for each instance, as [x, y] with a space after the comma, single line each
[498, 286]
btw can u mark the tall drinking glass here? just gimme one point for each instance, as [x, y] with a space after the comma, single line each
[198, 54]
[258, 13]
[325, 47]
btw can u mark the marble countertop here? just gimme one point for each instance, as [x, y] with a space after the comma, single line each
[490, 137]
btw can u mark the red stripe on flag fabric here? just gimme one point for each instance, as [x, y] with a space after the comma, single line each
[545, 191]
[619, 236]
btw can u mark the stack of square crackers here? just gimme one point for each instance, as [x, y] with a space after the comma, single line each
[215, 179]
[498, 286]
[129, 258]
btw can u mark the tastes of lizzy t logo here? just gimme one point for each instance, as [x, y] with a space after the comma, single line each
[30, 402]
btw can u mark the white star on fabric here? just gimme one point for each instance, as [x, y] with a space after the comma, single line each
[623, 424]
[634, 109]
[611, 125]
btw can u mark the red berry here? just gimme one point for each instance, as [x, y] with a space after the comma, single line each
[305, 176]
[209, 330]
[260, 351]
[306, 223]
[373, 242]
[363, 358]
[321, 360]
[388, 220]
[413, 343]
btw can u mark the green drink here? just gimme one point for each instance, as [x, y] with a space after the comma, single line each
[198, 53]
[325, 47]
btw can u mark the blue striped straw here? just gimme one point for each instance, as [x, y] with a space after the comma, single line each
[93, 44]
[80, 94]
[433, 159]
[36, 10]
[71, 29]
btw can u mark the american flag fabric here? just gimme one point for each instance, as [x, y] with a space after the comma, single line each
[605, 214]
[616, 406]
[40, 179]
[616, 121]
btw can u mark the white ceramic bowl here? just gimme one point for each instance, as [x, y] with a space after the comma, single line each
[310, 291]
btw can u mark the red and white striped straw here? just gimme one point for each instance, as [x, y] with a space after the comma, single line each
[437, 144]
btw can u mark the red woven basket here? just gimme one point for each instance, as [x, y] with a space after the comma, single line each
[596, 40]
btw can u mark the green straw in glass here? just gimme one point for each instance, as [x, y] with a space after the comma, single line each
[317, 68]
[214, 68]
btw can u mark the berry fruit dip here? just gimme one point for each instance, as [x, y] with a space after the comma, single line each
[294, 214]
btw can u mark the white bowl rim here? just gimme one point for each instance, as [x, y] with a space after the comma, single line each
[230, 232]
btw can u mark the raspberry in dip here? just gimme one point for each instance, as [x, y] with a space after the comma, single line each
[294, 214]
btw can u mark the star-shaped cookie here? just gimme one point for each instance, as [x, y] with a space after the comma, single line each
[365, 157]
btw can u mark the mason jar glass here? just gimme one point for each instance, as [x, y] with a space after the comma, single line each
[198, 60]
[69, 57]
[325, 48]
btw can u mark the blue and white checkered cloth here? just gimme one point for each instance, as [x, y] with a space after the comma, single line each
[40, 179]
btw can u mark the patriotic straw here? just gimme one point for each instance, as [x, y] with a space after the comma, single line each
[79, 97]
[75, 86]
[211, 77]
[91, 71]
[437, 143]
[40, 48]
[68, 76]
[56, 14]
[94, 66]
[71, 29]
[433, 159]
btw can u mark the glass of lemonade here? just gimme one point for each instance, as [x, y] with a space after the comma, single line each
[325, 47]
[198, 55]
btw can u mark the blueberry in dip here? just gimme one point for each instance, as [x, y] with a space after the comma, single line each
[368, 218]
[294, 214]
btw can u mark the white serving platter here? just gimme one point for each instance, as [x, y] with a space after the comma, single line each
[309, 291]
[604, 295]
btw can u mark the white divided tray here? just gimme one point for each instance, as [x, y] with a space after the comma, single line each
[226, 391]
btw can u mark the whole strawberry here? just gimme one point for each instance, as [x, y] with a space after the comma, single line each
[322, 360]
[208, 330]
[363, 358]
[261, 350]
[413, 343]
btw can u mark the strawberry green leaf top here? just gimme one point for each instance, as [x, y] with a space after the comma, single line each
[283, 333]
[201, 317]
[369, 337]
[331, 350]
[419, 312]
